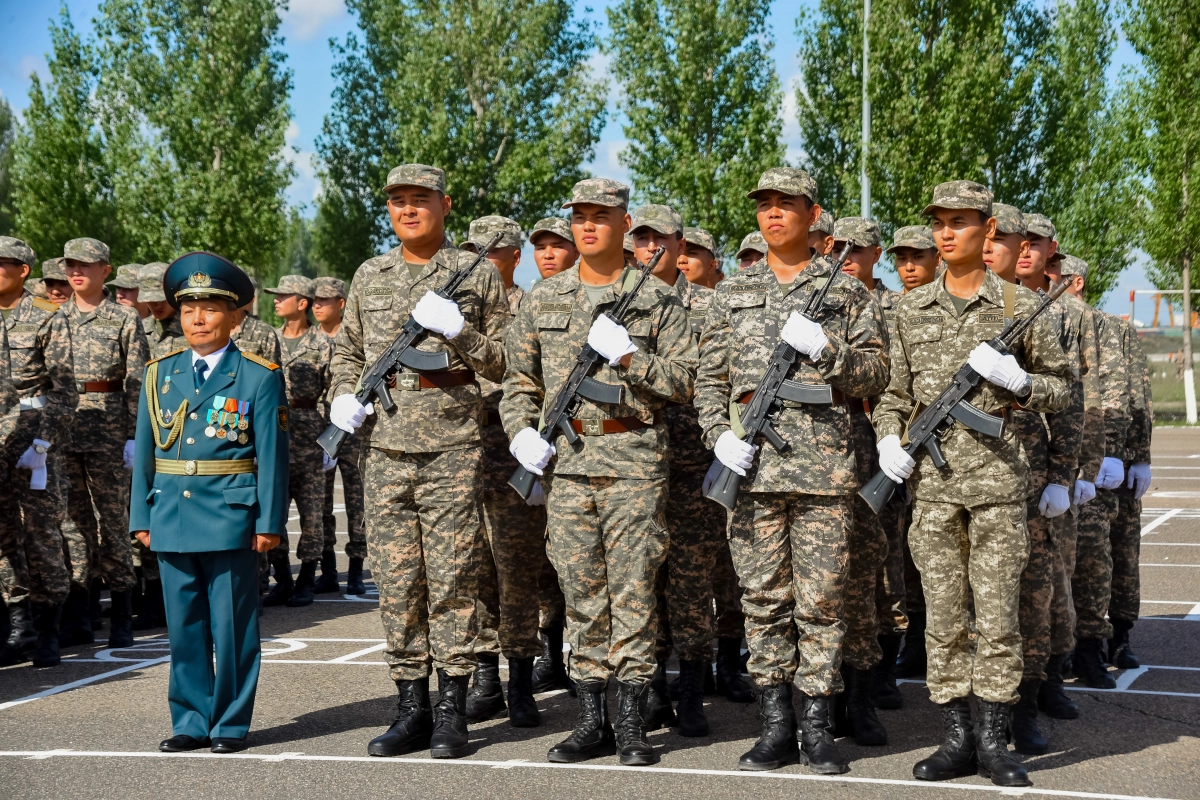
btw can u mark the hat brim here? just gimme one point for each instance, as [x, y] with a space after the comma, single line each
[391, 186]
[657, 228]
[907, 246]
[763, 190]
[573, 203]
[231, 283]
[929, 209]
[120, 284]
[533, 236]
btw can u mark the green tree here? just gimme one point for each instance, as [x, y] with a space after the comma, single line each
[8, 136]
[496, 92]
[702, 100]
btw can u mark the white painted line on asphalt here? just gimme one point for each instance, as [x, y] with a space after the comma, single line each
[66, 687]
[1148, 528]
[349, 657]
[1171, 544]
[1176, 495]
[518, 764]
[1194, 566]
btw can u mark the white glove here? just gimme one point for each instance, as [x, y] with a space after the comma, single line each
[537, 497]
[32, 459]
[1139, 478]
[1111, 473]
[38, 479]
[531, 450]
[713, 472]
[347, 413]
[893, 460]
[1055, 500]
[734, 453]
[127, 453]
[805, 335]
[1085, 492]
[610, 340]
[995, 368]
[436, 313]
[327, 463]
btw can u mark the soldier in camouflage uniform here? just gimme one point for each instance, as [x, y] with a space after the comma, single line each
[39, 352]
[699, 260]
[968, 535]
[329, 305]
[109, 353]
[54, 281]
[752, 248]
[608, 494]
[553, 249]
[820, 234]
[252, 335]
[424, 532]
[788, 530]
[125, 287]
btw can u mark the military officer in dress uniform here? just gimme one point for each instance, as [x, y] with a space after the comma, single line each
[210, 492]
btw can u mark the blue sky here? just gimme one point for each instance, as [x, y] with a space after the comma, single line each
[309, 24]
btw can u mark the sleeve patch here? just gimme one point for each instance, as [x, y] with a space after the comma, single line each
[282, 412]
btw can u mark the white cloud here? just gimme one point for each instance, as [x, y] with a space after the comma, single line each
[306, 18]
[606, 163]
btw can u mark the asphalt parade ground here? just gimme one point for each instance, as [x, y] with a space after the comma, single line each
[90, 727]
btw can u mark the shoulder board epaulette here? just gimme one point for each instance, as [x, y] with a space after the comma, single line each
[167, 355]
[257, 359]
[44, 305]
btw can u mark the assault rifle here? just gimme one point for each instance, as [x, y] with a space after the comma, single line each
[774, 387]
[401, 352]
[932, 424]
[579, 384]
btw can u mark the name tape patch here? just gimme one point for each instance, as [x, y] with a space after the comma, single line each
[990, 318]
[747, 288]
[928, 319]
[376, 291]
[556, 308]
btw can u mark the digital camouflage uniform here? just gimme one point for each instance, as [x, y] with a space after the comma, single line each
[1125, 530]
[421, 473]
[891, 608]
[256, 336]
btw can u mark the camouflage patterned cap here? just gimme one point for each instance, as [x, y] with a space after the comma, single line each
[599, 192]
[87, 250]
[1040, 225]
[1009, 219]
[556, 225]
[824, 223]
[787, 180]
[52, 268]
[753, 241]
[417, 175]
[860, 230]
[127, 277]
[483, 229]
[960, 194]
[293, 284]
[36, 288]
[627, 243]
[918, 237]
[14, 248]
[701, 238]
[1073, 266]
[150, 288]
[663, 219]
[328, 286]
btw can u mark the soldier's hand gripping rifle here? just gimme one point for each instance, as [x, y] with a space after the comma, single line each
[774, 386]
[927, 430]
[579, 384]
[402, 352]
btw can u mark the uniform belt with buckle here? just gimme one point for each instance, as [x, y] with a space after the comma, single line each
[236, 466]
[34, 403]
[599, 427]
[99, 387]
[302, 404]
[414, 381]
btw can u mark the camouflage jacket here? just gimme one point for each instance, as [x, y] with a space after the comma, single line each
[107, 344]
[687, 451]
[1091, 446]
[888, 300]
[306, 366]
[39, 347]
[742, 328]
[1116, 387]
[8, 394]
[552, 326]
[256, 336]
[932, 342]
[491, 392]
[381, 299]
[163, 337]
[1141, 404]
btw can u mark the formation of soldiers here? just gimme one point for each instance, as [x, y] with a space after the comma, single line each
[999, 572]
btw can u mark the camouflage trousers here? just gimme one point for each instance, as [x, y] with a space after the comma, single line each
[552, 606]
[350, 466]
[974, 553]
[867, 544]
[791, 557]
[1091, 585]
[75, 545]
[727, 593]
[607, 541]
[914, 594]
[891, 604]
[30, 524]
[1125, 537]
[146, 559]
[1046, 614]
[306, 485]
[424, 535]
[98, 504]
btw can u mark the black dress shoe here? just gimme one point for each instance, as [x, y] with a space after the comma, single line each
[228, 745]
[181, 744]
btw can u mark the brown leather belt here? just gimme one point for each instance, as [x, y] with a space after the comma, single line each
[598, 427]
[99, 387]
[490, 418]
[856, 405]
[410, 381]
[303, 404]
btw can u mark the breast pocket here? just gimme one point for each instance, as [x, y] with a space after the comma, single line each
[103, 346]
[924, 347]
[554, 329]
[641, 331]
[746, 314]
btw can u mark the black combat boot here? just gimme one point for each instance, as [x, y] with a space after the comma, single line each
[659, 713]
[354, 577]
[956, 756]
[95, 609]
[76, 625]
[817, 749]
[302, 594]
[1027, 738]
[991, 748]
[1120, 653]
[413, 725]
[1089, 667]
[593, 735]
[154, 612]
[45, 621]
[911, 663]
[549, 671]
[22, 637]
[449, 739]
[120, 630]
[522, 708]
[690, 711]
[328, 582]
[284, 585]
[1051, 699]
[729, 671]
[864, 723]
[486, 699]
[884, 690]
[776, 746]
[630, 730]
